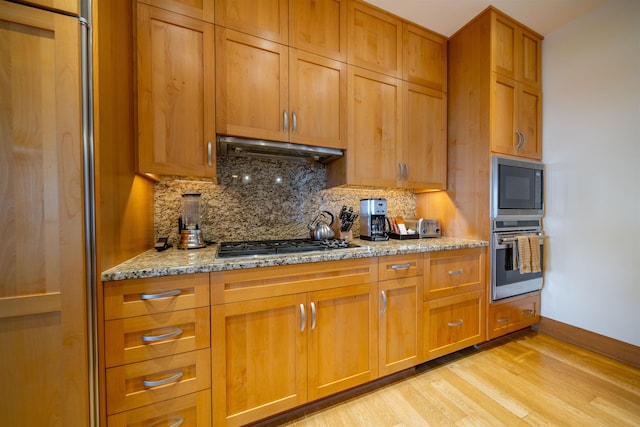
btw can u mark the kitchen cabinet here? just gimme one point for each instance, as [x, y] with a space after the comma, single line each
[281, 338]
[454, 301]
[267, 19]
[201, 9]
[424, 58]
[267, 91]
[156, 339]
[175, 93]
[43, 289]
[516, 119]
[320, 27]
[70, 6]
[400, 341]
[374, 39]
[424, 148]
[513, 314]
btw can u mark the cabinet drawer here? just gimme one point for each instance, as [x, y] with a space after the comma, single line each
[453, 323]
[138, 297]
[400, 266]
[190, 410]
[135, 339]
[513, 314]
[454, 272]
[139, 384]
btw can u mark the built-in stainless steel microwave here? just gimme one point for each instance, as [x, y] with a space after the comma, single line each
[516, 188]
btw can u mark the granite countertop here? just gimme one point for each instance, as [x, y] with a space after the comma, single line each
[176, 261]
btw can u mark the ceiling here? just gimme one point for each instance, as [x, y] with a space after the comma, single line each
[447, 16]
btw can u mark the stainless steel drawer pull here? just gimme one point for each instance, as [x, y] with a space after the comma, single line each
[313, 316]
[177, 423]
[285, 125]
[172, 293]
[172, 378]
[527, 312]
[384, 302]
[154, 338]
[209, 154]
[458, 323]
[295, 122]
[503, 320]
[303, 318]
[401, 266]
[455, 272]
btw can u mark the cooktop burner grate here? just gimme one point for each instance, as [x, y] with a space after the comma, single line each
[272, 247]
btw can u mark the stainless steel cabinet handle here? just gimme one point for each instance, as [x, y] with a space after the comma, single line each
[527, 312]
[209, 153]
[313, 316]
[384, 302]
[154, 338]
[172, 293]
[401, 266]
[399, 171]
[406, 171]
[503, 320]
[285, 126]
[295, 122]
[303, 318]
[172, 378]
[457, 323]
[456, 272]
[524, 140]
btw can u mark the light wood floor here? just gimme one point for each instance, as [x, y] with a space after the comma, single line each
[528, 379]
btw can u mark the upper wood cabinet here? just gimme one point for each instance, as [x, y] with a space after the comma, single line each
[266, 90]
[516, 118]
[516, 51]
[319, 26]
[424, 148]
[268, 19]
[375, 39]
[175, 87]
[424, 58]
[199, 9]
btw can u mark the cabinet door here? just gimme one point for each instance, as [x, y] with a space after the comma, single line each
[425, 58]
[43, 319]
[318, 100]
[343, 339]
[319, 26]
[529, 123]
[175, 94]
[503, 116]
[453, 323]
[199, 9]
[374, 39]
[454, 272]
[530, 55]
[425, 138]
[268, 19]
[374, 128]
[401, 337]
[259, 358]
[252, 78]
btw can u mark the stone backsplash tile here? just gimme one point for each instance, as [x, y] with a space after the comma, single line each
[264, 199]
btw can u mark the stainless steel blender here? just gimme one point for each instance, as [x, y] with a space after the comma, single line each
[190, 233]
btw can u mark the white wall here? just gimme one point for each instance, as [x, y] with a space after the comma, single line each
[591, 143]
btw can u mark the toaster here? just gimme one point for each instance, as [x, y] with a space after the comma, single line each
[424, 227]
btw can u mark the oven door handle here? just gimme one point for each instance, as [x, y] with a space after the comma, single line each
[505, 242]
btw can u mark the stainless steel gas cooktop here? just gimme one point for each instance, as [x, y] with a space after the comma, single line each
[273, 247]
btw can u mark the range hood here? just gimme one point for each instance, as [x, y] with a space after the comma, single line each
[245, 147]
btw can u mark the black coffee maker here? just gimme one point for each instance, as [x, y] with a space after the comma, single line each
[373, 219]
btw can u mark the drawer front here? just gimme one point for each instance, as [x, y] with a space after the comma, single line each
[454, 272]
[514, 314]
[137, 297]
[453, 323]
[190, 410]
[254, 283]
[144, 383]
[135, 339]
[400, 266]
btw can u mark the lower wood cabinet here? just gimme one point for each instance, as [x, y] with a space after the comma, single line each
[314, 336]
[513, 314]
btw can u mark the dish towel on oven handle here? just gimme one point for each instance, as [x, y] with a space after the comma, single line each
[527, 254]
